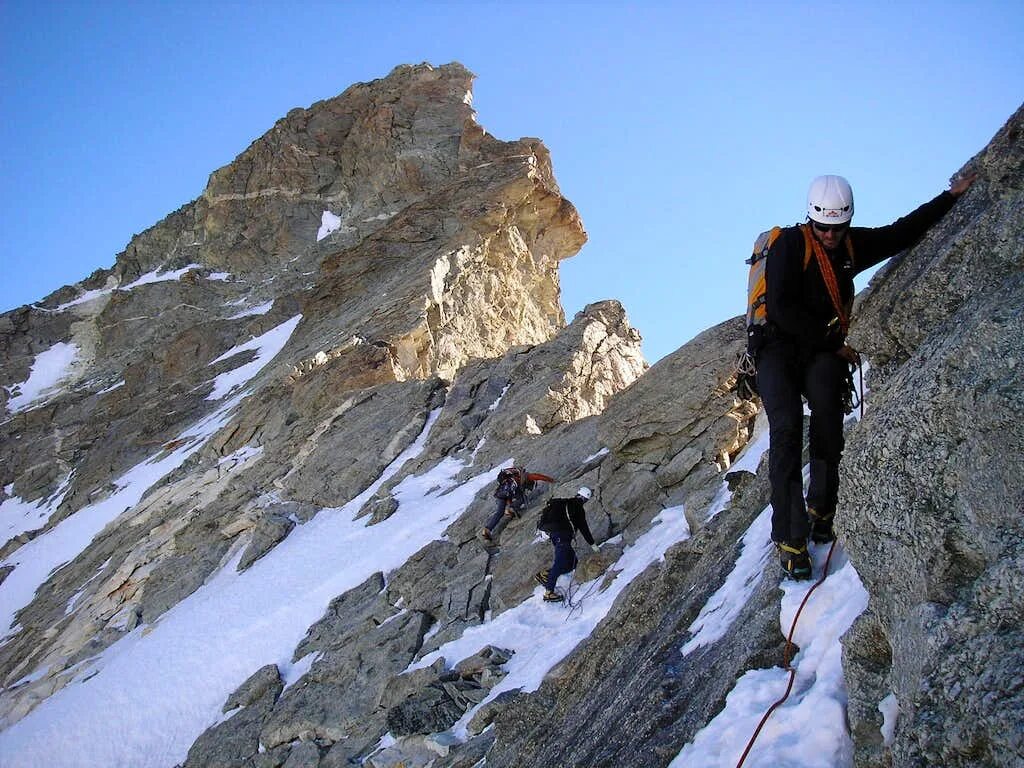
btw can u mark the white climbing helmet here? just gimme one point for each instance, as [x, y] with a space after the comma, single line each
[830, 200]
[584, 492]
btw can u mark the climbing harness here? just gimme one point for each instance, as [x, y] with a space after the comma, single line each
[786, 659]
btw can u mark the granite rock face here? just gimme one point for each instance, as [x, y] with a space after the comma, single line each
[933, 491]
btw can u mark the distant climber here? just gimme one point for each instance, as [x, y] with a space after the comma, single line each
[560, 520]
[514, 484]
[802, 350]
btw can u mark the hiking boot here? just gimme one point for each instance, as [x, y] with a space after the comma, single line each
[553, 597]
[821, 526]
[485, 535]
[794, 559]
[541, 577]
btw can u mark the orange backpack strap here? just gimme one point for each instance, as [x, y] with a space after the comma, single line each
[828, 275]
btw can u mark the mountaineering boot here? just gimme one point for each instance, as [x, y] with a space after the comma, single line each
[553, 597]
[821, 526]
[541, 577]
[794, 559]
[485, 535]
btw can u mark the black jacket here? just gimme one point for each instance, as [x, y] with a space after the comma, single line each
[798, 305]
[565, 516]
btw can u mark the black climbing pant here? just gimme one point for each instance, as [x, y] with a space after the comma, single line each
[783, 375]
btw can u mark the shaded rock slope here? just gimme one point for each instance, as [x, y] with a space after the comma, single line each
[346, 335]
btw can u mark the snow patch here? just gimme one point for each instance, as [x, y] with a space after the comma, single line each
[722, 608]
[494, 406]
[266, 348]
[112, 387]
[748, 461]
[78, 595]
[156, 276]
[294, 672]
[241, 456]
[17, 516]
[809, 729]
[890, 709]
[48, 369]
[329, 223]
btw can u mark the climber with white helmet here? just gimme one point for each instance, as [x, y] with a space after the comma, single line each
[560, 520]
[801, 350]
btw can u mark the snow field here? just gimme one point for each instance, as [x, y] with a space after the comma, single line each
[37, 559]
[179, 671]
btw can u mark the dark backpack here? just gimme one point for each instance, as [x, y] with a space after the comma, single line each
[509, 483]
[554, 516]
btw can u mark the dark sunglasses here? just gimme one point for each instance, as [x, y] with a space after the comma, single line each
[830, 227]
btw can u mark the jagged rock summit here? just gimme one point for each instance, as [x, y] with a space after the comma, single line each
[244, 469]
[407, 239]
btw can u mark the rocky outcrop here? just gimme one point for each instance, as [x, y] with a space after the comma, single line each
[383, 241]
[444, 247]
[680, 426]
[937, 535]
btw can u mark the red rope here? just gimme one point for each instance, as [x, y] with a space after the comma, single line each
[786, 659]
[828, 276]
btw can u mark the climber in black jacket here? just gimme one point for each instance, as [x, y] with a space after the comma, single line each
[803, 351]
[560, 519]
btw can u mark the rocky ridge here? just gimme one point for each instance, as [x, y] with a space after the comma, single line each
[434, 302]
[446, 250]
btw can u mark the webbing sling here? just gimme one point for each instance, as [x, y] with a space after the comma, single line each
[829, 275]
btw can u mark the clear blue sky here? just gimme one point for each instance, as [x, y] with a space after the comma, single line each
[679, 130]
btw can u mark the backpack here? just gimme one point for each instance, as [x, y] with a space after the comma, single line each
[554, 516]
[509, 483]
[757, 289]
[757, 300]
